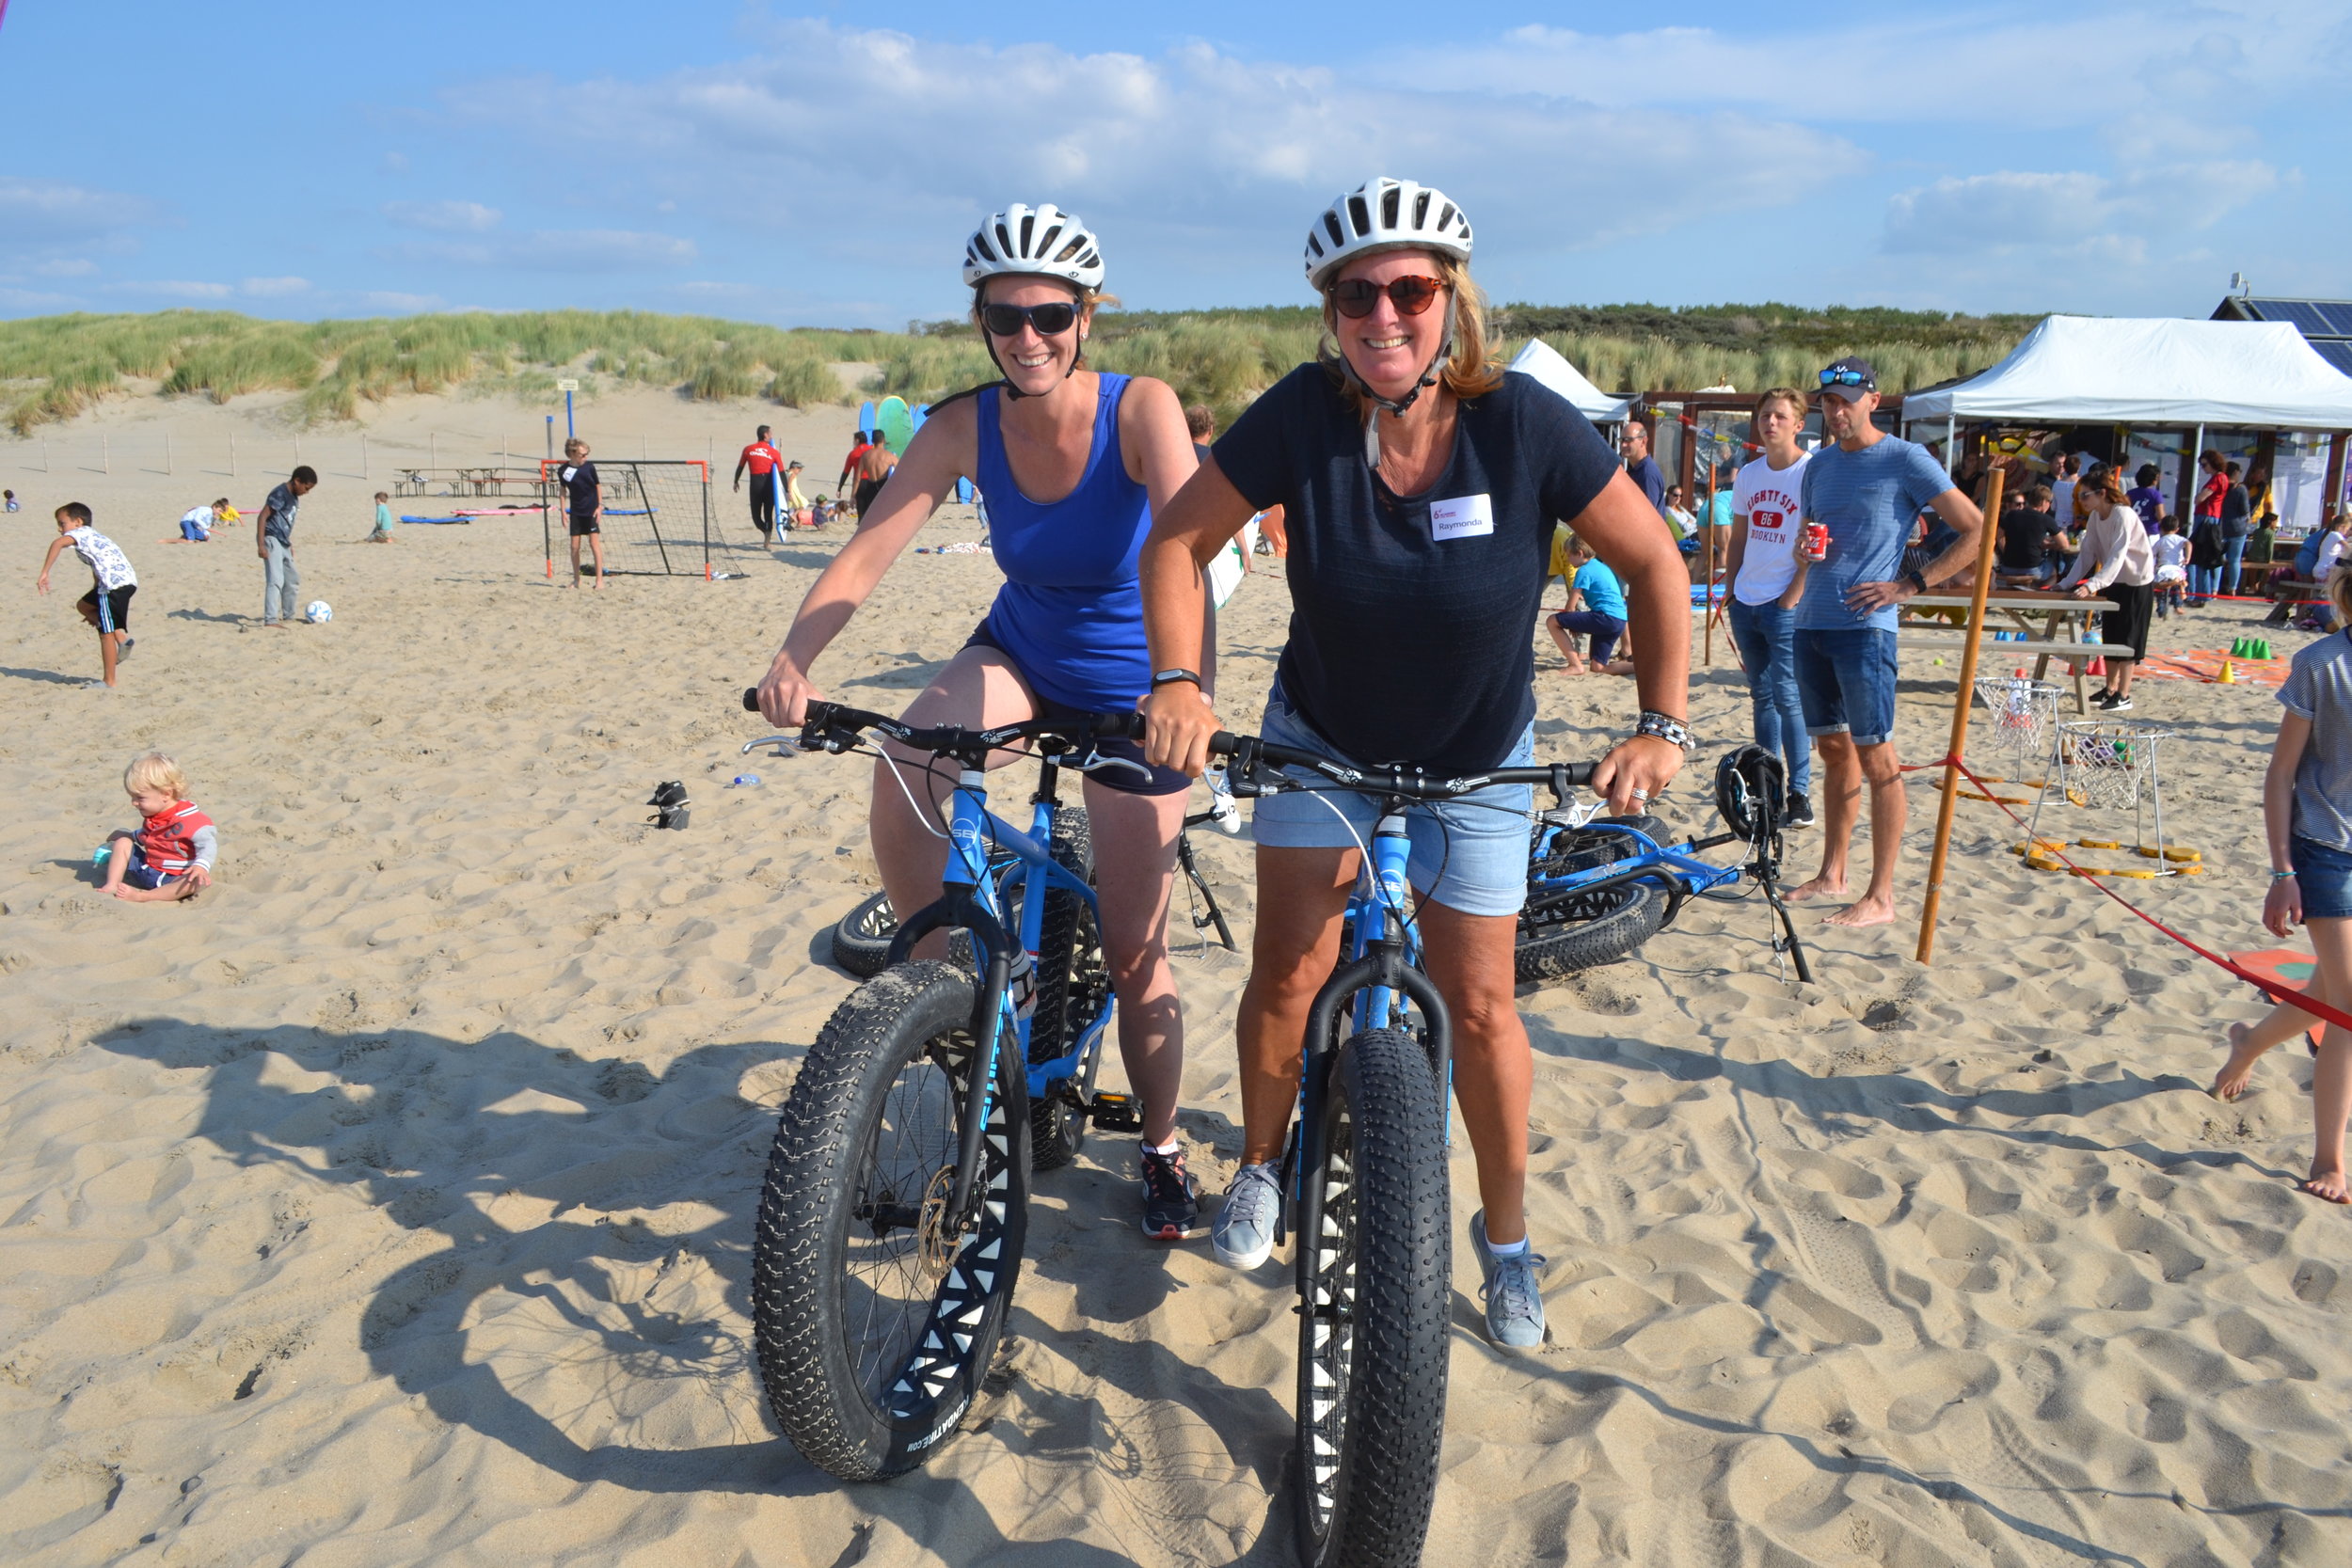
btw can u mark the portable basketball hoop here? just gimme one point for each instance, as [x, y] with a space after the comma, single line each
[2110, 766]
[2021, 737]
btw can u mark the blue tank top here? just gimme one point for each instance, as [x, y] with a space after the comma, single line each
[1071, 612]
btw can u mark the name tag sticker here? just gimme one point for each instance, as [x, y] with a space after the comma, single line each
[1462, 519]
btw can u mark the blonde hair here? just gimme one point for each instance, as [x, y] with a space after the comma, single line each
[1469, 370]
[1789, 395]
[155, 771]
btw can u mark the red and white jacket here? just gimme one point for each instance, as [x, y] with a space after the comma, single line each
[178, 839]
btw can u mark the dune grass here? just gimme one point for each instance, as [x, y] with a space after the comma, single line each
[53, 367]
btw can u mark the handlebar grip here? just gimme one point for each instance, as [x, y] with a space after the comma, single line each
[1119, 726]
[750, 699]
[1222, 743]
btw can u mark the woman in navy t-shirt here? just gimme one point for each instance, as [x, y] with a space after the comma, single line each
[1420, 486]
[1065, 635]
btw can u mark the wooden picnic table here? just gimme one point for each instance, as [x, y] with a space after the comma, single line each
[2064, 632]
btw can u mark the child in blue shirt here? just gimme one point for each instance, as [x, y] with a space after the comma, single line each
[1596, 610]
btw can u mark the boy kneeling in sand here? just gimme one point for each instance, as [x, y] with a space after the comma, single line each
[172, 853]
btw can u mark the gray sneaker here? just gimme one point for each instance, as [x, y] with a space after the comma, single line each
[1514, 1305]
[1242, 1235]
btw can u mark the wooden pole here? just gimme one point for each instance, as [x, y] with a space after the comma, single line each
[2331, 497]
[1928, 909]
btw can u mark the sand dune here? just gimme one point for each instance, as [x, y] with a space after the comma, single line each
[390, 1204]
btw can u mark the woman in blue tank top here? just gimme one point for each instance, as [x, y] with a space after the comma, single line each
[1065, 634]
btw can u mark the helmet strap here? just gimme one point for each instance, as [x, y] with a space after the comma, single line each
[1429, 376]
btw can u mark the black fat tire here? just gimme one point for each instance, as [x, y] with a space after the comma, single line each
[899, 1032]
[1074, 986]
[1372, 1384]
[861, 939]
[1595, 928]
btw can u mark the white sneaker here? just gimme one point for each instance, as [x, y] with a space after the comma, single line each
[1223, 808]
[1243, 1236]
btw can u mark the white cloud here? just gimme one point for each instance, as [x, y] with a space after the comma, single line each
[41, 213]
[443, 217]
[2110, 219]
[171, 289]
[1208, 162]
[554, 250]
[274, 288]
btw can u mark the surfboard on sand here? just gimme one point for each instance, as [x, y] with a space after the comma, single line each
[895, 421]
[865, 416]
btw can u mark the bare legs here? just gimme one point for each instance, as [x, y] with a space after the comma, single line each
[1135, 852]
[1301, 893]
[109, 643]
[1845, 766]
[2331, 1078]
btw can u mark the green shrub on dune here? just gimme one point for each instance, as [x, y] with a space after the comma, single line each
[54, 367]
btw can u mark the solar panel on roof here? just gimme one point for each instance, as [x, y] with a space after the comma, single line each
[2302, 313]
[2338, 315]
[2338, 352]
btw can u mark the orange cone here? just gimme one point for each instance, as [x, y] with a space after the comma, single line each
[2098, 667]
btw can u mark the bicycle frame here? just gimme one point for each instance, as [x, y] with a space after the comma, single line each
[969, 899]
[1679, 870]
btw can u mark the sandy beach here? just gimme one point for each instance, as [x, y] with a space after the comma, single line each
[390, 1203]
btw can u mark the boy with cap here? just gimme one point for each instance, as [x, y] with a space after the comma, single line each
[1865, 487]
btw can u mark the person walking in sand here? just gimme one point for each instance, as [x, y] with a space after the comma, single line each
[1867, 488]
[760, 459]
[107, 605]
[2307, 814]
[874, 472]
[583, 507]
[273, 541]
[1421, 483]
[1064, 635]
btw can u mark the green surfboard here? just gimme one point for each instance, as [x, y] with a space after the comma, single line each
[895, 421]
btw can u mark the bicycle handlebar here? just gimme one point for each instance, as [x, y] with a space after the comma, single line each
[828, 726]
[825, 722]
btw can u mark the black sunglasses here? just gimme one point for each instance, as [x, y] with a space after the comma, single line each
[1410, 294]
[1006, 321]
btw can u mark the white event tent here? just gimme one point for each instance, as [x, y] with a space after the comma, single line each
[1545, 363]
[2083, 370]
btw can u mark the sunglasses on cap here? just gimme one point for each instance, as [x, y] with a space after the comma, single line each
[1006, 321]
[1844, 376]
[1410, 294]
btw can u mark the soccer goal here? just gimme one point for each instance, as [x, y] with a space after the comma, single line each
[657, 515]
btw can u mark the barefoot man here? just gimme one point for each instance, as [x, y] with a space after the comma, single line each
[1865, 489]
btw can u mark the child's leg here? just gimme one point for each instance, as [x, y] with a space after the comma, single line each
[1566, 644]
[2332, 1080]
[595, 546]
[109, 650]
[575, 561]
[2249, 1042]
[118, 860]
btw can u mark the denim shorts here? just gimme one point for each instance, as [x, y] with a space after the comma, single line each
[2323, 874]
[1846, 680]
[1466, 854]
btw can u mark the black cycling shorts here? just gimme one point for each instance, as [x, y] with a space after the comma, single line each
[1164, 781]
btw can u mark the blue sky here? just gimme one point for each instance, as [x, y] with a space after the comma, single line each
[819, 165]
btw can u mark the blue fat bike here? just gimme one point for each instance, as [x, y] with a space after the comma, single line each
[896, 1201]
[1363, 1180]
[1596, 890]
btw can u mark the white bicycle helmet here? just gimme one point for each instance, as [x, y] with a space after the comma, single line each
[1383, 215]
[1042, 240]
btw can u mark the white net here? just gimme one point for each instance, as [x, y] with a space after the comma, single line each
[2109, 767]
[2021, 728]
[657, 515]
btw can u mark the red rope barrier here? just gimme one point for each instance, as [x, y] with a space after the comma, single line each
[2302, 1001]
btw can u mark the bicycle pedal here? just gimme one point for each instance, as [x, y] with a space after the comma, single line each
[1115, 1113]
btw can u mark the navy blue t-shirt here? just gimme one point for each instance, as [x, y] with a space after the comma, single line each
[1653, 482]
[1411, 617]
[580, 488]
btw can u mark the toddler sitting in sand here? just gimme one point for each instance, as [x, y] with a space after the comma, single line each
[171, 854]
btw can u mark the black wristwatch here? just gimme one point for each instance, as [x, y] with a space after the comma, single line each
[1916, 579]
[1170, 677]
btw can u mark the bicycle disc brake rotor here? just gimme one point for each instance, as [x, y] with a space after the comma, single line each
[936, 1237]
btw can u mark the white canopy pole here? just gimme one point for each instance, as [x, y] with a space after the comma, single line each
[1951, 438]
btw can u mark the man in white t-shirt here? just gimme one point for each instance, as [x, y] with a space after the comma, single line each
[1766, 580]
